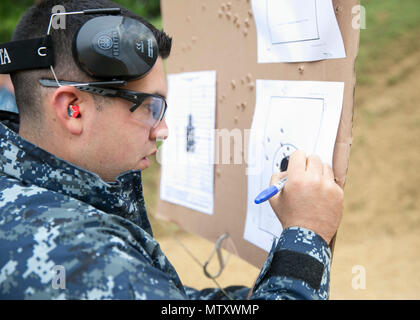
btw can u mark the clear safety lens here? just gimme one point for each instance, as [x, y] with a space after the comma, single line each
[150, 111]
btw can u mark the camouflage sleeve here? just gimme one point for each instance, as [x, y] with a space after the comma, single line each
[297, 267]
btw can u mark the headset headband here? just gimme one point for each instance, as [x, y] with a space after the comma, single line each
[26, 55]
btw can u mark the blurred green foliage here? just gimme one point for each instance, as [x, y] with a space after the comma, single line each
[11, 10]
[146, 8]
[392, 32]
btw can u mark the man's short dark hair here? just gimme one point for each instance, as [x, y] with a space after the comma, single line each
[34, 24]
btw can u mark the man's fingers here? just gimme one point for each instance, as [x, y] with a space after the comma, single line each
[297, 162]
[314, 165]
[277, 176]
[328, 172]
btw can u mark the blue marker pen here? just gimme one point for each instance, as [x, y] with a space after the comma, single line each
[270, 191]
[276, 188]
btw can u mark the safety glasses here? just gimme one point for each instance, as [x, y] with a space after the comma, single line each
[146, 108]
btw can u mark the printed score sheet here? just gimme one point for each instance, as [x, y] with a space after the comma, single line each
[297, 31]
[187, 156]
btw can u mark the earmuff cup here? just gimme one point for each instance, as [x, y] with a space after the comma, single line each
[115, 47]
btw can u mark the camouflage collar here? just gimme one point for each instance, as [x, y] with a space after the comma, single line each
[30, 164]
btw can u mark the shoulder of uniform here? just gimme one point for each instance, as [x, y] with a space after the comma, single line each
[18, 196]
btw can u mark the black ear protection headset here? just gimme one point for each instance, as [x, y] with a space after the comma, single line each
[111, 47]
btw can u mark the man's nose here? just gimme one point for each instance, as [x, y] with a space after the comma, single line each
[160, 131]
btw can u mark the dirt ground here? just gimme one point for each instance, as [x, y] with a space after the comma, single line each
[380, 228]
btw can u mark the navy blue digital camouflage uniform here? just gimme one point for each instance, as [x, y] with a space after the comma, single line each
[53, 213]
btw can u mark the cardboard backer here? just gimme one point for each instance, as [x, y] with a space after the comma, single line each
[221, 35]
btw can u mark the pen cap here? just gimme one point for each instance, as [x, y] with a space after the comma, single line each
[266, 194]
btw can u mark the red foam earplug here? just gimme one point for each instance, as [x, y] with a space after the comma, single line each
[73, 111]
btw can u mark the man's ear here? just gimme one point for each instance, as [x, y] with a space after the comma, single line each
[61, 101]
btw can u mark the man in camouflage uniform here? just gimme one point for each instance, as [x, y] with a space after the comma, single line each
[71, 194]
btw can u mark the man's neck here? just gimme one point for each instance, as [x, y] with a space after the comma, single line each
[38, 137]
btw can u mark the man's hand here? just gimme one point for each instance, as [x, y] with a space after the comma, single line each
[310, 199]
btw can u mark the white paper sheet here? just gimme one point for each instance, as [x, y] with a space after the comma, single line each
[188, 154]
[289, 115]
[297, 31]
